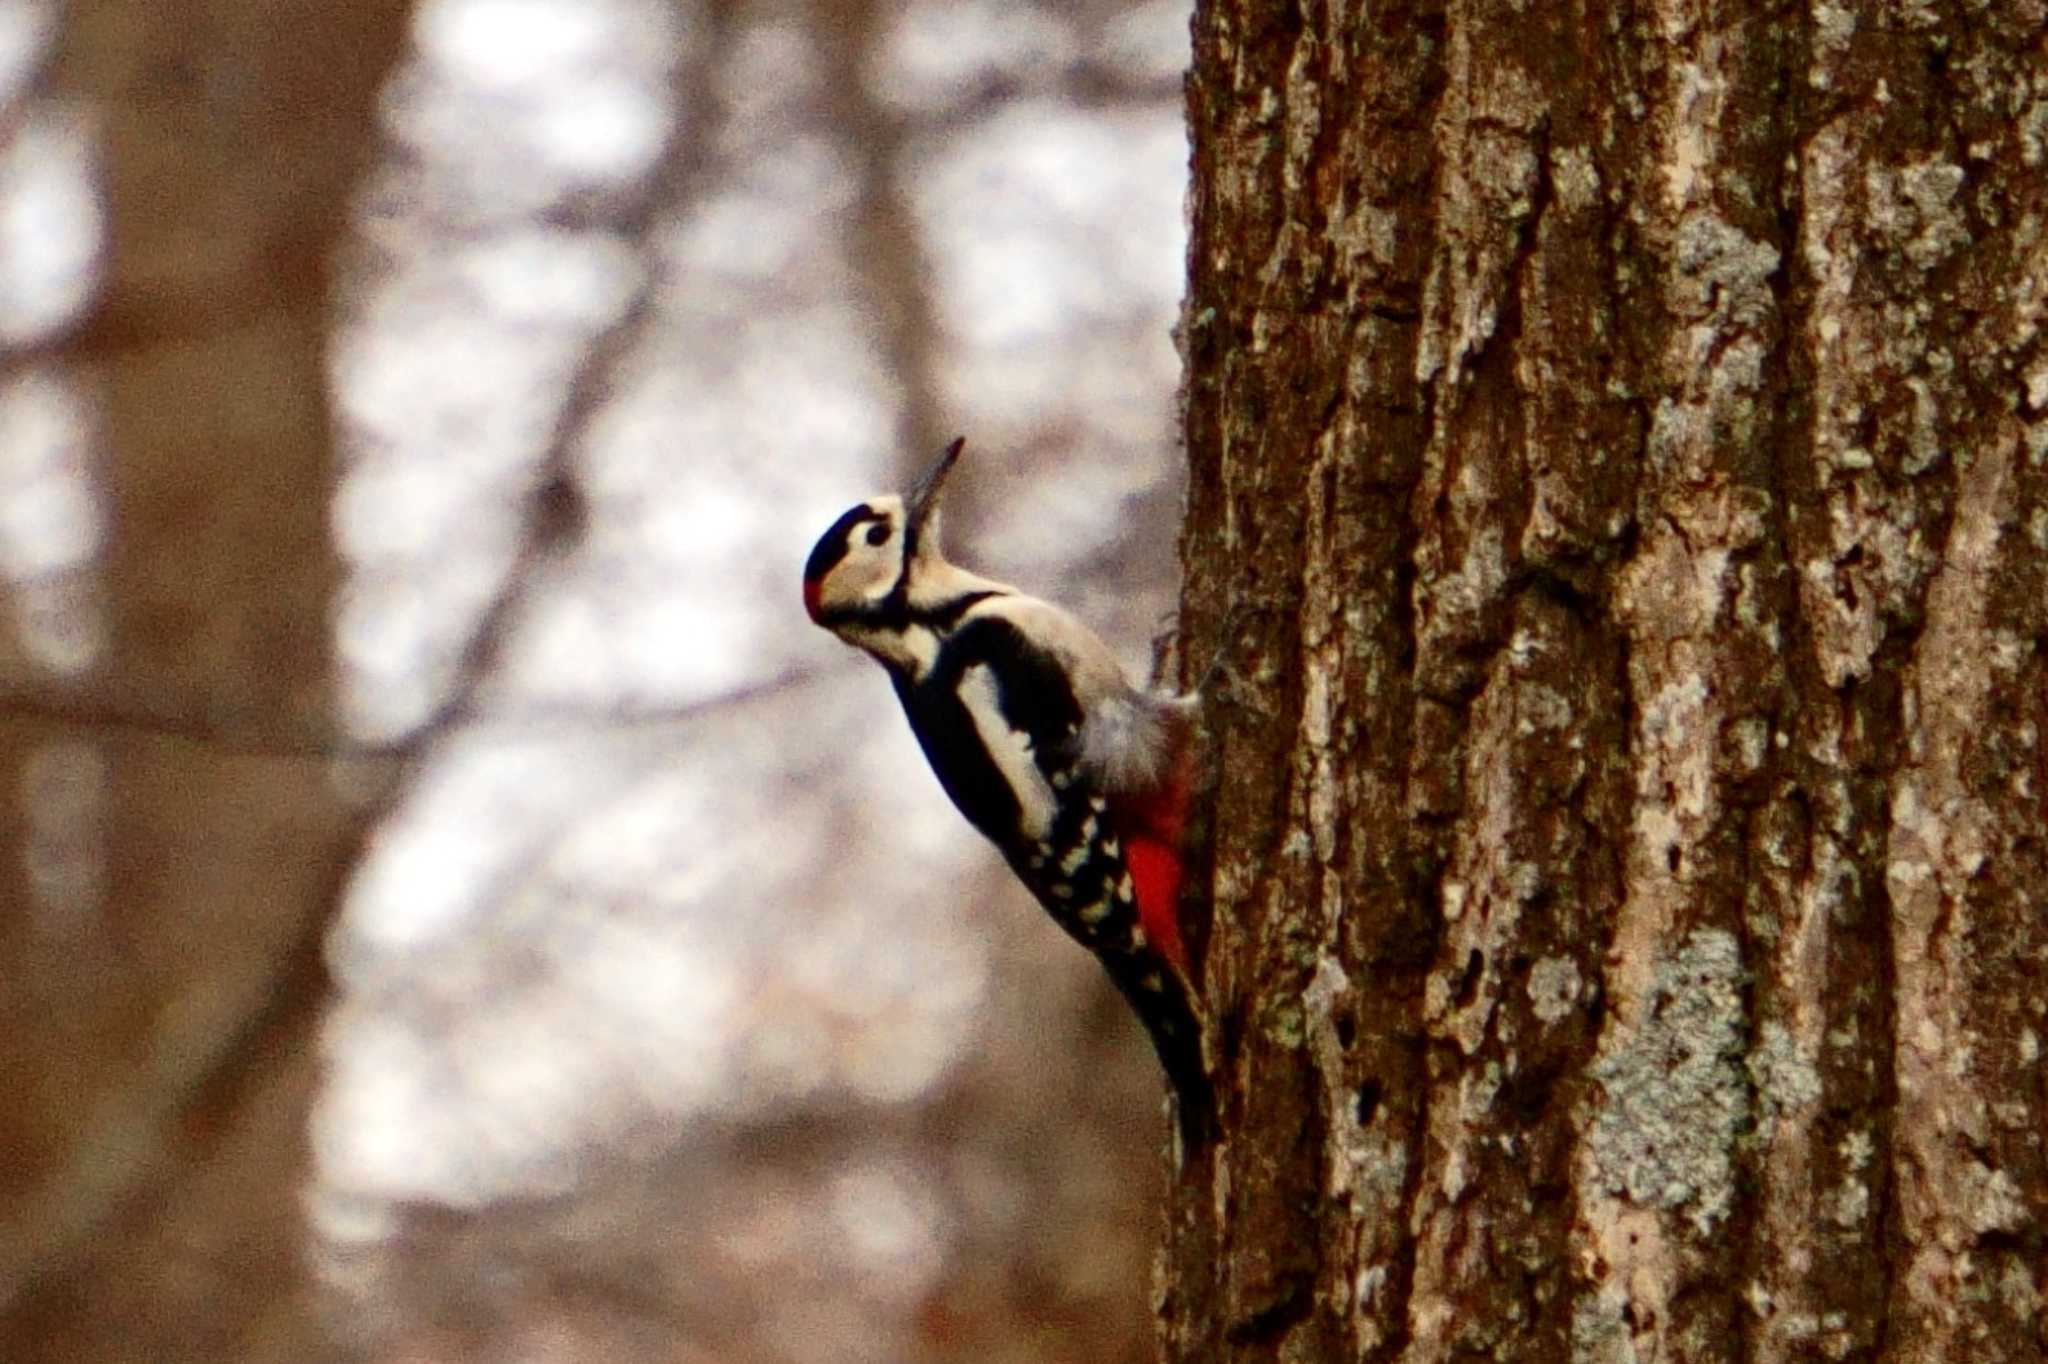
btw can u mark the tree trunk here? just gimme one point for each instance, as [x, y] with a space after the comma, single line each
[1620, 435]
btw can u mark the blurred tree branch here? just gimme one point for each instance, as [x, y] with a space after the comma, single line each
[166, 1024]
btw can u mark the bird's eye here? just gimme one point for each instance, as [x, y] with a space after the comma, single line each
[878, 533]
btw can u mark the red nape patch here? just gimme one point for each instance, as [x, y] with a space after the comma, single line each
[1155, 880]
[811, 591]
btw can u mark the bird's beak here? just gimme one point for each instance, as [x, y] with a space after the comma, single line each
[922, 502]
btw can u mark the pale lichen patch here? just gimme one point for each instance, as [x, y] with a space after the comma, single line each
[1673, 1093]
[1857, 1148]
[1848, 1203]
[1915, 207]
[1542, 708]
[1992, 1200]
[2017, 1287]
[1752, 738]
[1604, 1327]
[1834, 25]
[1785, 1076]
[1554, 988]
[1576, 178]
[1725, 273]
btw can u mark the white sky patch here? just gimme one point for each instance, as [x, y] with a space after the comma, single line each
[774, 225]
[1149, 43]
[49, 513]
[51, 524]
[61, 620]
[1046, 215]
[510, 106]
[529, 1089]
[551, 280]
[891, 1220]
[767, 73]
[26, 29]
[382, 1124]
[436, 865]
[606, 136]
[510, 45]
[943, 52]
[51, 227]
[448, 382]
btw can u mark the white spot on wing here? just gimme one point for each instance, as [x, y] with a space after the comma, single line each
[1010, 749]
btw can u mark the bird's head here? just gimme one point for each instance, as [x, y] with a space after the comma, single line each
[859, 573]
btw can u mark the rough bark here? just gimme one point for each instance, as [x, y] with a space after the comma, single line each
[177, 843]
[1621, 434]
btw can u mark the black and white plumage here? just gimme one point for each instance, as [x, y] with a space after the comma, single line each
[1078, 777]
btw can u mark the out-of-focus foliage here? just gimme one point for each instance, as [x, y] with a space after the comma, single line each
[674, 1014]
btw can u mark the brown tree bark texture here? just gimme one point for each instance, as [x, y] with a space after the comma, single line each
[162, 1038]
[1622, 433]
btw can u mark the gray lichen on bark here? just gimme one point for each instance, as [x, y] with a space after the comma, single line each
[1674, 1098]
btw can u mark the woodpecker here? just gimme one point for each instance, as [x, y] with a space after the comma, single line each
[1079, 778]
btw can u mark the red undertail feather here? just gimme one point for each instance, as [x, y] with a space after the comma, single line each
[1155, 879]
[1151, 825]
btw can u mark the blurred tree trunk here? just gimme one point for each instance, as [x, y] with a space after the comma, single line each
[1624, 432]
[158, 1024]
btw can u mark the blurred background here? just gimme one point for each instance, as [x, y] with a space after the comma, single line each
[677, 1016]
